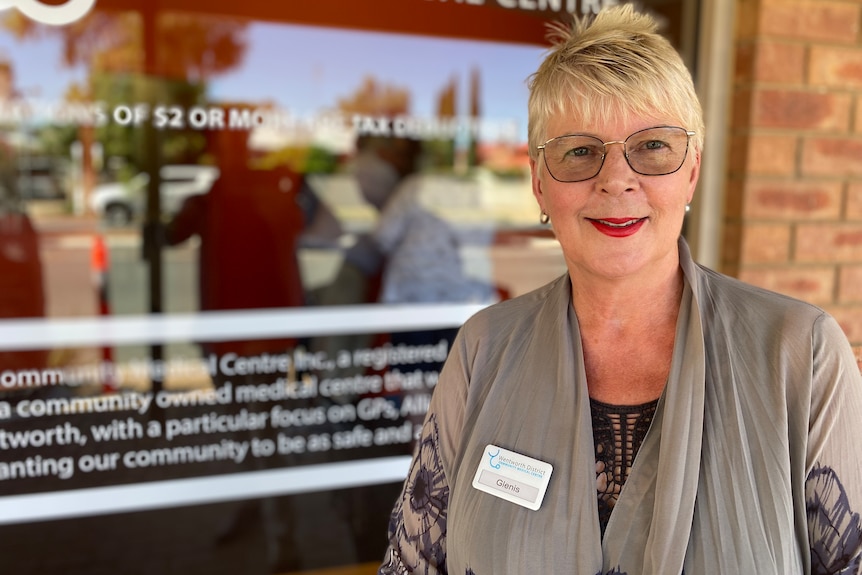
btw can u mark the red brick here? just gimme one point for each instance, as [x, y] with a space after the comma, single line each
[733, 195]
[835, 157]
[744, 59]
[761, 154]
[858, 114]
[833, 21]
[820, 243]
[779, 62]
[731, 247]
[789, 200]
[800, 110]
[765, 243]
[741, 108]
[747, 16]
[812, 284]
[767, 61]
[850, 320]
[836, 67]
[850, 284]
[854, 202]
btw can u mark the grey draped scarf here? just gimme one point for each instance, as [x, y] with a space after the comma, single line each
[718, 486]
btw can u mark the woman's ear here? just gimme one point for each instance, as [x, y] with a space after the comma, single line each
[693, 177]
[536, 182]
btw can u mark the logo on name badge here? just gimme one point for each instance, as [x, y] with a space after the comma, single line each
[514, 477]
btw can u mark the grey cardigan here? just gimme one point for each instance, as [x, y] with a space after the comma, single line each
[751, 464]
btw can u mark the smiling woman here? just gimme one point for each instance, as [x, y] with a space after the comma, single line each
[693, 422]
[270, 120]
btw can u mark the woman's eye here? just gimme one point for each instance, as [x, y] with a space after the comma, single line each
[653, 145]
[578, 152]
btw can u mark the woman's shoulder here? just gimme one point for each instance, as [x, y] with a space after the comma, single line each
[519, 312]
[734, 299]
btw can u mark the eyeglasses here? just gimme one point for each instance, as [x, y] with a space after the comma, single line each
[651, 152]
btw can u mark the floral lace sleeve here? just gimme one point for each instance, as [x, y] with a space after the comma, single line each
[834, 529]
[833, 488]
[417, 528]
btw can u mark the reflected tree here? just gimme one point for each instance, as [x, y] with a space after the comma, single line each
[111, 47]
[374, 98]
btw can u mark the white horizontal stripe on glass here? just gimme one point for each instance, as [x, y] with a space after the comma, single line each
[199, 490]
[40, 333]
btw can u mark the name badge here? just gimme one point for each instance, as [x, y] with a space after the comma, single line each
[514, 477]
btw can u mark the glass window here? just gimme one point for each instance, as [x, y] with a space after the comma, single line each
[236, 242]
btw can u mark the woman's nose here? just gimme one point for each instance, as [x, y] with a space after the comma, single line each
[616, 175]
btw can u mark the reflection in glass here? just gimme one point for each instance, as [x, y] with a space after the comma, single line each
[245, 171]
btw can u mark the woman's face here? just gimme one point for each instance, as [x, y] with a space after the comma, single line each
[618, 224]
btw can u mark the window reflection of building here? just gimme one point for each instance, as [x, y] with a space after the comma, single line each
[241, 274]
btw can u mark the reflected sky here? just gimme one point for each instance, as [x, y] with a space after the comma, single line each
[306, 69]
[38, 66]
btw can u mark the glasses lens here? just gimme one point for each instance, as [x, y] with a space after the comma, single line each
[574, 158]
[657, 151]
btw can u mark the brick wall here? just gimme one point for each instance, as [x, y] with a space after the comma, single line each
[794, 191]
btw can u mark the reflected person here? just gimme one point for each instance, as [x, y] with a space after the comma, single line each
[22, 286]
[249, 224]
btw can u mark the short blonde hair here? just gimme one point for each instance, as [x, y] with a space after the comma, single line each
[613, 63]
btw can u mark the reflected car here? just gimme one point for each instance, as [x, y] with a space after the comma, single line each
[39, 179]
[119, 203]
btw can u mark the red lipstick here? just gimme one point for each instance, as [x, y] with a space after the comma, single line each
[618, 227]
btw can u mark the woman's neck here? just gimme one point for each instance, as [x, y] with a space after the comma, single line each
[627, 331]
[627, 303]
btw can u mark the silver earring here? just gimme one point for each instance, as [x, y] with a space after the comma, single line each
[687, 208]
[544, 218]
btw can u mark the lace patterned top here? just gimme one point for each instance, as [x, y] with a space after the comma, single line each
[618, 432]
